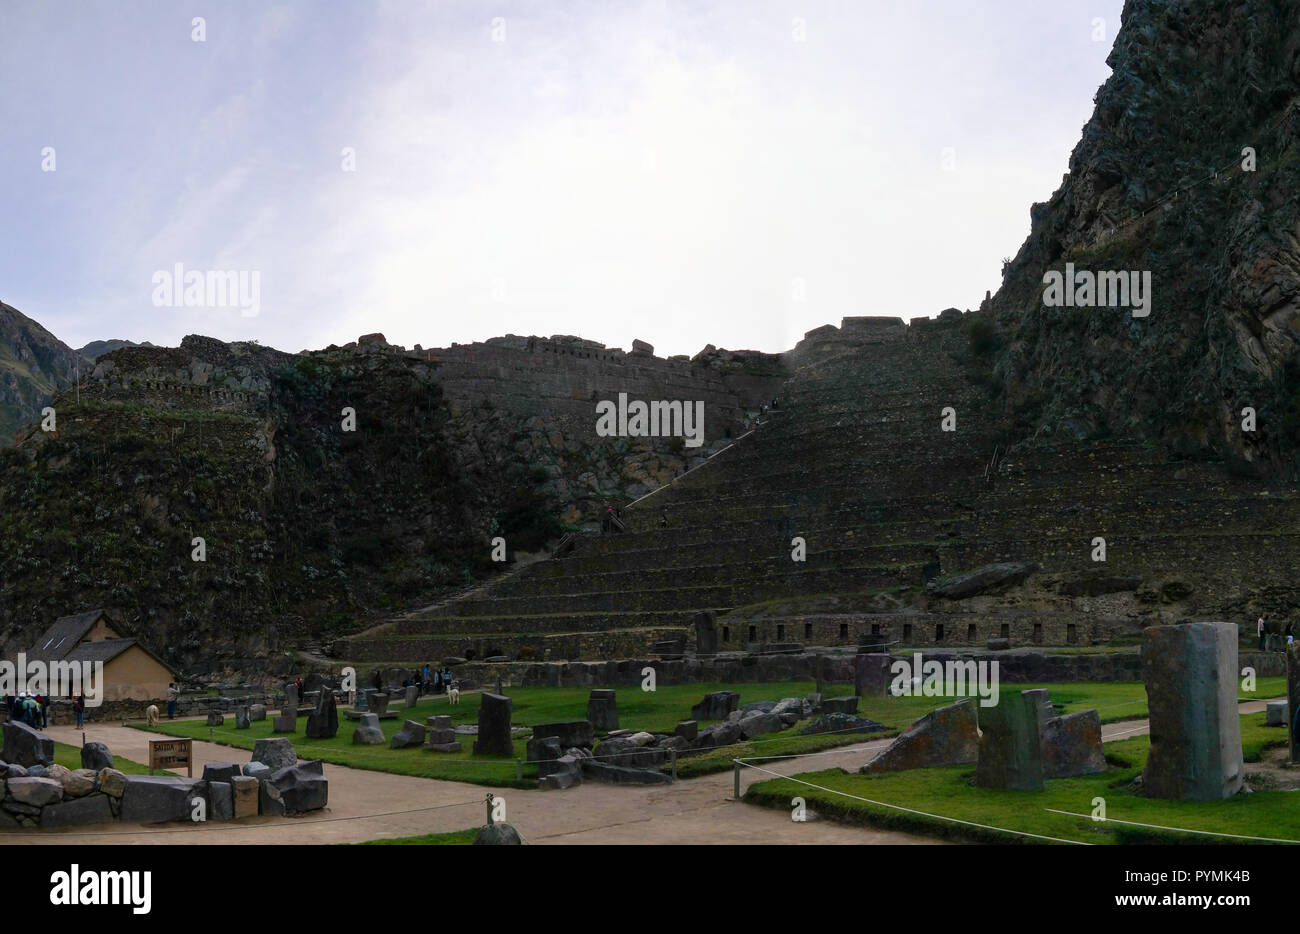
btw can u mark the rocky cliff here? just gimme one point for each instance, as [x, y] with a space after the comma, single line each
[34, 364]
[1189, 170]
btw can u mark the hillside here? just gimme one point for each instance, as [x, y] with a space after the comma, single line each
[34, 364]
[1159, 183]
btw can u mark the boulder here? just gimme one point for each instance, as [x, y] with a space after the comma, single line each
[847, 705]
[152, 799]
[76, 783]
[242, 718]
[244, 792]
[497, 835]
[760, 724]
[688, 730]
[641, 739]
[269, 802]
[25, 746]
[303, 787]
[871, 674]
[1275, 713]
[276, 753]
[96, 756]
[221, 801]
[256, 712]
[946, 736]
[377, 703]
[564, 772]
[988, 578]
[111, 782]
[257, 770]
[411, 734]
[220, 771]
[323, 722]
[216, 718]
[601, 771]
[368, 732]
[95, 809]
[715, 706]
[543, 748]
[720, 734]
[412, 695]
[1190, 671]
[34, 792]
[1010, 749]
[569, 732]
[1071, 745]
[842, 723]
[622, 751]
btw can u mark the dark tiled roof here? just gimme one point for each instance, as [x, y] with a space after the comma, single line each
[104, 650]
[67, 631]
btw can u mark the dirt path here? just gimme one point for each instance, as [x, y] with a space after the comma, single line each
[372, 805]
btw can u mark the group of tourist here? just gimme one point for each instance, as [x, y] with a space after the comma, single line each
[429, 680]
[1264, 630]
[32, 709]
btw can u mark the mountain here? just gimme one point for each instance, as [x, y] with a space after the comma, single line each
[34, 365]
[1188, 170]
[96, 349]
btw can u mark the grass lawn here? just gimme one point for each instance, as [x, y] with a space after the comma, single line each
[656, 711]
[454, 838]
[949, 792]
[70, 757]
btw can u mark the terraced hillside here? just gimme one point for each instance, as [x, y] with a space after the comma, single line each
[856, 462]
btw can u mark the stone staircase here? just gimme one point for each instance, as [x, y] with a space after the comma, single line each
[855, 462]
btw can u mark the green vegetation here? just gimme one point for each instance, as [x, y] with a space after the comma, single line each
[657, 712]
[949, 792]
[452, 838]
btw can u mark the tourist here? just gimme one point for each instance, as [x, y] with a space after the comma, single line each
[663, 518]
[172, 695]
[42, 710]
[79, 708]
[1260, 630]
[1290, 633]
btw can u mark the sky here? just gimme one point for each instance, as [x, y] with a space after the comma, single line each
[728, 172]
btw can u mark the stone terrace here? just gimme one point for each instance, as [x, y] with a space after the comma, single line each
[856, 463]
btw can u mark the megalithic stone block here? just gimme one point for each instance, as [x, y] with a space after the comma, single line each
[602, 709]
[1293, 697]
[871, 674]
[494, 726]
[1010, 743]
[1190, 670]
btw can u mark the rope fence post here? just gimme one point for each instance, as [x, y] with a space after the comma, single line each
[519, 769]
[736, 779]
[672, 754]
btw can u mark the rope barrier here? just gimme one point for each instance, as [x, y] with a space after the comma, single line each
[1208, 833]
[899, 807]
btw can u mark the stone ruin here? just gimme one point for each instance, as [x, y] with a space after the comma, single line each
[602, 709]
[946, 736]
[442, 735]
[323, 722]
[1010, 747]
[50, 796]
[1190, 670]
[287, 722]
[494, 736]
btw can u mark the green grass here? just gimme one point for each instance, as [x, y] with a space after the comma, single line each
[657, 711]
[949, 792]
[70, 757]
[452, 838]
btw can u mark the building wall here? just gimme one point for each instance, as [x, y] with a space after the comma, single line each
[136, 675]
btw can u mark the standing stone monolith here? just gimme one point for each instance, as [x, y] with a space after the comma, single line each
[1045, 709]
[1072, 745]
[602, 709]
[1293, 697]
[494, 726]
[1190, 670]
[323, 722]
[706, 633]
[1010, 754]
[945, 736]
[242, 721]
[287, 722]
[871, 674]
[412, 695]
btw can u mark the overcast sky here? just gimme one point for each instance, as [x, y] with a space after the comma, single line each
[733, 172]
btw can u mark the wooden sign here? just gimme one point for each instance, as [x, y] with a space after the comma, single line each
[168, 753]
